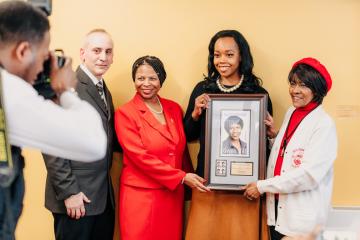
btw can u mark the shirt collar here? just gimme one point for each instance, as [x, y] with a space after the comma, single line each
[90, 75]
[308, 108]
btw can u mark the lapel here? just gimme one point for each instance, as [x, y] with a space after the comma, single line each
[148, 117]
[92, 90]
[170, 116]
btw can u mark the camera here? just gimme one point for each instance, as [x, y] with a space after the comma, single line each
[44, 5]
[42, 82]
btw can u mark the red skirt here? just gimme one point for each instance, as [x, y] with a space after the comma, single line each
[147, 214]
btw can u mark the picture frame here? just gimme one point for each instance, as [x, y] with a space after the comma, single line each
[235, 140]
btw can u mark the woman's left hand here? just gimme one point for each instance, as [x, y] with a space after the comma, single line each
[251, 191]
[271, 132]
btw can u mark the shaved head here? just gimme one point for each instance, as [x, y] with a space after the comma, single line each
[94, 32]
[96, 53]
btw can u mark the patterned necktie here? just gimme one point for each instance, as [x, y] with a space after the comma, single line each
[100, 88]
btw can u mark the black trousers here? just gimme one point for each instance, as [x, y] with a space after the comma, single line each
[11, 204]
[275, 235]
[97, 227]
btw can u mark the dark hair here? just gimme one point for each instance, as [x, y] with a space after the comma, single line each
[20, 21]
[246, 63]
[154, 62]
[312, 79]
[233, 120]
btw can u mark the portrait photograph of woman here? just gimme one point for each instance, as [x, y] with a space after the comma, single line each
[235, 133]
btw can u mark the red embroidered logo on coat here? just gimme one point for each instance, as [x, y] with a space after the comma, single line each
[297, 157]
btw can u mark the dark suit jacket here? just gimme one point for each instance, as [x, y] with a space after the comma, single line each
[66, 177]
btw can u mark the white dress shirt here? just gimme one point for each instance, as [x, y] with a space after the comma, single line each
[91, 76]
[94, 80]
[72, 130]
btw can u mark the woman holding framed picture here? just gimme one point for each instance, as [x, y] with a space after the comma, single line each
[222, 214]
[156, 165]
[300, 171]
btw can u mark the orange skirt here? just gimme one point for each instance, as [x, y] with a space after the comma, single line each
[226, 215]
[150, 214]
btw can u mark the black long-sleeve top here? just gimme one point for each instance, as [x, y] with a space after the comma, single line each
[195, 130]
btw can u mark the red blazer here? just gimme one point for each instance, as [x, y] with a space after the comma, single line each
[154, 157]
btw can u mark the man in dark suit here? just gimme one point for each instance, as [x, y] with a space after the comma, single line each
[80, 195]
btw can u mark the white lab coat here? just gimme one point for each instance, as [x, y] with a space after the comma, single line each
[305, 184]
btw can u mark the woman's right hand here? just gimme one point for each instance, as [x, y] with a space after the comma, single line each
[270, 128]
[201, 102]
[195, 181]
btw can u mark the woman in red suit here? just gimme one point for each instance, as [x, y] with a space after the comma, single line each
[156, 162]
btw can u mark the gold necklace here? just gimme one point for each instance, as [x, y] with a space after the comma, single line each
[153, 110]
[229, 90]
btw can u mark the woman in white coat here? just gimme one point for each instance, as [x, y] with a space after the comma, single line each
[300, 169]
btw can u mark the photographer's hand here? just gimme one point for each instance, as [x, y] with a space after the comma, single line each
[62, 79]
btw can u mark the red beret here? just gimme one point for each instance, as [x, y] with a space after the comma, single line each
[312, 62]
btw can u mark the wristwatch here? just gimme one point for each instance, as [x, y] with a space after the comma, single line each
[72, 90]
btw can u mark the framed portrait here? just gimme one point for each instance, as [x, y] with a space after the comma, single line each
[235, 145]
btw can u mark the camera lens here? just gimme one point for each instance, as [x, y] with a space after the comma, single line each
[42, 83]
[61, 61]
